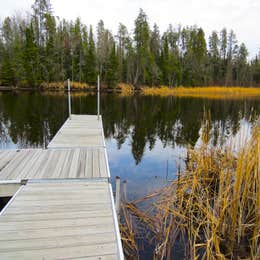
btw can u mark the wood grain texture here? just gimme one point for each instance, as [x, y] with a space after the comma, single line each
[79, 131]
[39, 223]
[65, 210]
[55, 164]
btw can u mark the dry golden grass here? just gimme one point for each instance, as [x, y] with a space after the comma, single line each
[205, 92]
[63, 85]
[126, 89]
[213, 206]
[73, 93]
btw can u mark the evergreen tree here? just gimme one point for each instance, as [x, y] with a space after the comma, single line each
[112, 68]
[214, 57]
[155, 46]
[165, 61]
[30, 57]
[91, 60]
[143, 56]
[50, 55]
[42, 47]
[8, 68]
[241, 67]
[123, 38]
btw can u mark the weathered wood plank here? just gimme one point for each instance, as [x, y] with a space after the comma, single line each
[61, 163]
[28, 225]
[63, 211]
[62, 252]
[80, 131]
[56, 242]
[54, 232]
[5, 157]
[55, 215]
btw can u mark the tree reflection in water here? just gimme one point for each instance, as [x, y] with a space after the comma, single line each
[136, 124]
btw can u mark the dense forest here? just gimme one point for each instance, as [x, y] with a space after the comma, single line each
[43, 48]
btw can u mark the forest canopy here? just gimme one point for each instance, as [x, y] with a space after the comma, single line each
[43, 48]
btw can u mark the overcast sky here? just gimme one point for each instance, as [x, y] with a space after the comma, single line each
[243, 16]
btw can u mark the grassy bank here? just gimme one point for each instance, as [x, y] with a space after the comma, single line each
[60, 86]
[206, 92]
[127, 89]
[212, 209]
[122, 88]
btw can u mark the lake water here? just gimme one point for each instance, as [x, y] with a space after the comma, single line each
[146, 136]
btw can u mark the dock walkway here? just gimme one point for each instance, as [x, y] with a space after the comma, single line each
[64, 207]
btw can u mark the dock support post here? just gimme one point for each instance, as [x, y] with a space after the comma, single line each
[124, 190]
[98, 97]
[69, 102]
[118, 196]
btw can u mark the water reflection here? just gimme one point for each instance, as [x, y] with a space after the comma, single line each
[142, 133]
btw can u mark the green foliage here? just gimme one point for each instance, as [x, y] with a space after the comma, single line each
[45, 48]
[112, 68]
[91, 60]
[30, 57]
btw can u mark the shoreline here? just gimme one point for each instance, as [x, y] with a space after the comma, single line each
[210, 92]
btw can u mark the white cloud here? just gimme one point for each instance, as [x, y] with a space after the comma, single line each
[240, 15]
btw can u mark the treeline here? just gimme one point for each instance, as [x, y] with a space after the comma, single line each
[44, 48]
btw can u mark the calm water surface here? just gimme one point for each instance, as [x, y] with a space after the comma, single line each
[146, 137]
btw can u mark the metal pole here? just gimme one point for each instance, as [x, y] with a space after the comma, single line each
[98, 98]
[124, 190]
[69, 103]
[167, 169]
[118, 196]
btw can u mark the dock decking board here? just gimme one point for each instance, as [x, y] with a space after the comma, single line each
[49, 164]
[66, 208]
[27, 232]
[79, 131]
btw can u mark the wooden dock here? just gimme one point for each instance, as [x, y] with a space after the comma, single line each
[63, 206]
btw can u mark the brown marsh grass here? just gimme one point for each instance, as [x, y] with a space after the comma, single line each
[203, 92]
[125, 89]
[212, 208]
[63, 85]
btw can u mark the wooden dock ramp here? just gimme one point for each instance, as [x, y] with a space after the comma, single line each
[63, 207]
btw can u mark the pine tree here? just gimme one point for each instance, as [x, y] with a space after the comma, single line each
[241, 66]
[155, 46]
[91, 59]
[8, 62]
[44, 48]
[50, 55]
[112, 68]
[123, 38]
[165, 61]
[214, 57]
[30, 57]
[143, 56]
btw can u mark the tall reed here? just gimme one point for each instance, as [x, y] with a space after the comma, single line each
[212, 208]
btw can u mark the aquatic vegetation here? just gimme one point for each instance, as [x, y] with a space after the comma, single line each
[207, 92]
[212, 208]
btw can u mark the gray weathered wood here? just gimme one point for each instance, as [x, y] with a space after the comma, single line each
[40, 223]
[65, 210]
[60, 163]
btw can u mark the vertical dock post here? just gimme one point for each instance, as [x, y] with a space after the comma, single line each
[167, 169]
[69, 102]
[98, 98]
[124, 190]
[118, 196]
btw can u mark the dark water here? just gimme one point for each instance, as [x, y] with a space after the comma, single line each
[145, 136]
